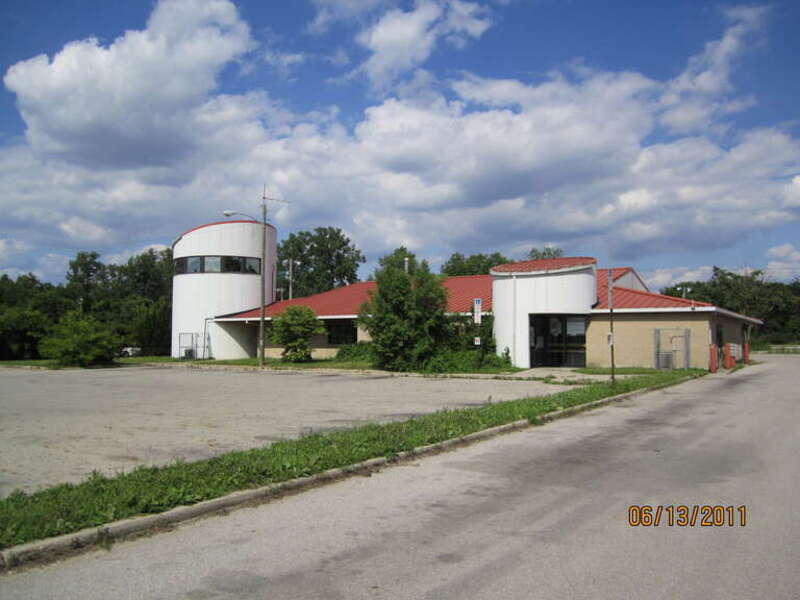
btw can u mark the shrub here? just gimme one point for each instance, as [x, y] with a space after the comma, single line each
[362, 351]
[293, 329]
[406, 317]
[465, 361]
[80, 341]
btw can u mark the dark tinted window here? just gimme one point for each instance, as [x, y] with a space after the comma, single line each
[217, 264]
[252, 265]
[232, 264]
[180, 265]
[341, 332]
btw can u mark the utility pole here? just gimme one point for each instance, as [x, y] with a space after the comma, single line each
[611, 321]
[262, 315]
[230, 213]
[291, 263]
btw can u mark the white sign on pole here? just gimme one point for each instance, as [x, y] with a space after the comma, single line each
[476, 310]
[477, 341]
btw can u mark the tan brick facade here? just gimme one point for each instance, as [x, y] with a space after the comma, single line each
[634, 338]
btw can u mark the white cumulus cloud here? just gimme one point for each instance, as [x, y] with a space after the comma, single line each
[402, 40]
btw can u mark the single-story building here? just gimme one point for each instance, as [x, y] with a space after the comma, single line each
[551, 312]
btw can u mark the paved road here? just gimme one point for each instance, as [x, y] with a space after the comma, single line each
[535, 514]
[58, 426]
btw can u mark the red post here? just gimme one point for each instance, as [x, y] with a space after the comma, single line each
[727, 360]
[712, 358]
[746, 353]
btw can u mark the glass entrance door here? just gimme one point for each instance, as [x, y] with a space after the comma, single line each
[557, 340]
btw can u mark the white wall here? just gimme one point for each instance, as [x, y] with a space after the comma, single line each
[631, 281]
[233, 340]
[515, 296]
[199, 296]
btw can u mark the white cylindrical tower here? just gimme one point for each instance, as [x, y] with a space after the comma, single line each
[217, 271]
[560, 286]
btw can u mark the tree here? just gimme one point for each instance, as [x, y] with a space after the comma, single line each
[405, 316]
[323, 259]
[475, 264]
[293, 329]
[21, 330]
[397, 260]
[748, 294]
[151, 327]
[80, 340]
[546, 252]
[87, 281]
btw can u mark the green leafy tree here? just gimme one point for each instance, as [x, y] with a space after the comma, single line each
[546, 252]
[293, 330]
[80, 340]
[323, 259]
[151, 326]
[88, 282]
[405, 315]
[474, 264]
[397, 260]
[21, 330]
[748, 294]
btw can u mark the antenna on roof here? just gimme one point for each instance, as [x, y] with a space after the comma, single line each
[265, 199]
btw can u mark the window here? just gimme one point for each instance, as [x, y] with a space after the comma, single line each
[252, 265]
[217, 264]
[341, 331]
[194, 264]
[213, 264]
[232, 264]
[180, 265]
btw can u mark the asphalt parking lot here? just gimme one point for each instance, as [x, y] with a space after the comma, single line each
[59, 426]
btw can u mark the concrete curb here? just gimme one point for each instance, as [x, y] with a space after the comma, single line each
[51, 549]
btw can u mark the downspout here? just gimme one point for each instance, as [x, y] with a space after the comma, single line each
[205, 335]
[514, 322]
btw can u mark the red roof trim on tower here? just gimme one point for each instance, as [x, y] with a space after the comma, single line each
[222, 223]
[545, 264]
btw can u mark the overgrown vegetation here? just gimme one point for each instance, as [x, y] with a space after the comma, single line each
[361, 351]
[405, 317]
[778, 304]
[293, 329]
[99, 500]
[80, 342]
[133, 300]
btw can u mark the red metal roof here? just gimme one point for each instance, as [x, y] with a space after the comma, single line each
[347, 300]
[461, 291]
[630, 298]
[545, 264]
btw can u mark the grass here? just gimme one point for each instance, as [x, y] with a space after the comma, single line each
[42, 362]
[618, 371]
[783, 350]
[118, 362]
[276, 363]
[99, 500]
[136, 360]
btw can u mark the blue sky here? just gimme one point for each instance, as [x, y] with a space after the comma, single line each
[663, 135]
